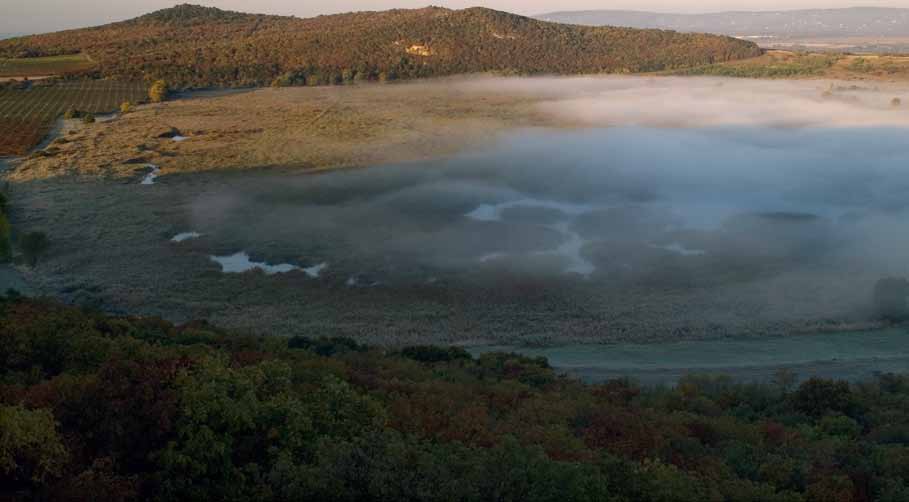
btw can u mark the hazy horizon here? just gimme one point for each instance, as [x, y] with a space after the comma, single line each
[40, 16]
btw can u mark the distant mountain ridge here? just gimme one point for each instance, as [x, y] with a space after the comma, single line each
[195, 46]
[808, 23]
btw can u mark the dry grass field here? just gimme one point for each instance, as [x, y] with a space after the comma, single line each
[308, 128]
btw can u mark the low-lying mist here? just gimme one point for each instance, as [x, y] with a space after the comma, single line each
[793, 193]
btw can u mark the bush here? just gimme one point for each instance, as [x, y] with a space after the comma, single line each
[72, 114]
[88, 118]
[126, 107]
[33, 245]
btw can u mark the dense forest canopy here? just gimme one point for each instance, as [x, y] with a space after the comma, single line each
[192, 46]
[111, 408]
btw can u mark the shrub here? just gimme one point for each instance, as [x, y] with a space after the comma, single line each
[72, 114]
[126, 107]
[88, 118]
[33, 245]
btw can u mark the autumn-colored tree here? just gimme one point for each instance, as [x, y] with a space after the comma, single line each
[158, 91]
[133, 408]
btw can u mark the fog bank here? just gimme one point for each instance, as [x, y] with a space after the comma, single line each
[788, 194]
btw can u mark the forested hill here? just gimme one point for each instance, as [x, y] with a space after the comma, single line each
[192, 46]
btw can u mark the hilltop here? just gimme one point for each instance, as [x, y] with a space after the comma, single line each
[851, 22]
[193, 46]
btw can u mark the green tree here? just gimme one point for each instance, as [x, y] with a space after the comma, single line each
[818, 397]
[33, 245]
[234, 424]
[840, 425]
[831, 489]
[31, 451]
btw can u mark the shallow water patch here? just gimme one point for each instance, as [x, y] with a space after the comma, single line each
[240, 262]
[560, 213]
[149, 178]
[681, 250]
[185, 236]
[315, 271]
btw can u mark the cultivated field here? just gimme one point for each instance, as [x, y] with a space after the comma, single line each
[44, 66]
[28, 115]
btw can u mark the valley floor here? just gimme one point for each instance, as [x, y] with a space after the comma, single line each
[112, 236]
[113, 249]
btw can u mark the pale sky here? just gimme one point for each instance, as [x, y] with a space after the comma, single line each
[34, 16]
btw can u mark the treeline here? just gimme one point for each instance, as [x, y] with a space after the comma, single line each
[111, 408]
[191, 46]
[797, 65]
